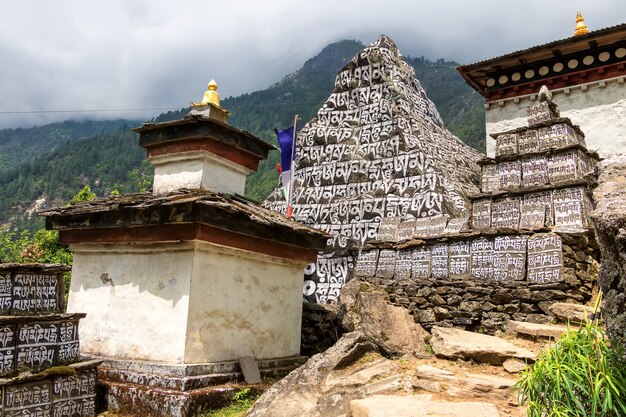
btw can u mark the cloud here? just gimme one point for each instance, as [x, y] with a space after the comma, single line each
[116, 54]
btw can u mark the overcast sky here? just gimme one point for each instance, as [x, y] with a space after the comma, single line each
[135, 54]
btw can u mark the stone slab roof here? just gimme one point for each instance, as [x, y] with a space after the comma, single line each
[228, 212]
[196, 127]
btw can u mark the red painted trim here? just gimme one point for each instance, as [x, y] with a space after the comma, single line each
[205, 144]
[568, 80]
[188, 232]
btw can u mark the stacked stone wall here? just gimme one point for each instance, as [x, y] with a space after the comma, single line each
[40, 372]
[475, 297]
[530, 243]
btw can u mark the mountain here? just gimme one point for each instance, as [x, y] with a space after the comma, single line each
[46, 165]
[21, 145]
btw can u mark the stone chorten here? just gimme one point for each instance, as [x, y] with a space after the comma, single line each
[377, 151]
[181, 283]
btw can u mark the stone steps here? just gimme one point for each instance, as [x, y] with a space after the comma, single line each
[451, 343]
[186, 383]
[551, 331]
[471, 385]
[418, 406]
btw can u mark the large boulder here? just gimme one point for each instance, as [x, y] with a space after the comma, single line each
[325, 385]
[392, 329]
[453, 343]
[609, 217]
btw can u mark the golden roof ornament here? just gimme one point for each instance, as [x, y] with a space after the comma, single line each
[581, 29]
[211, 96]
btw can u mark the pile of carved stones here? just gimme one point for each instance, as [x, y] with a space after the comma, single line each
[530, 243]
[377, 149]
[40, 372]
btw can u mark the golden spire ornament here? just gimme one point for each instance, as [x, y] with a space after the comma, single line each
[581, 29]
[210, 96]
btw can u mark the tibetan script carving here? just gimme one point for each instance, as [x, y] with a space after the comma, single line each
[482, 252]
[459, 253]
[439, 260]
[545, 258]
[509, 260]
[366, 263]
[420, 265]
[506, 213]
[403, 265]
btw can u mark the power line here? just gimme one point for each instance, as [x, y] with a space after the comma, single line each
[84, 111]
[146, 109]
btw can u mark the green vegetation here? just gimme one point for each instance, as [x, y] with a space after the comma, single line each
[582, 375]
[242, 401]
[21, 145]
[105, 162]
[42, 246]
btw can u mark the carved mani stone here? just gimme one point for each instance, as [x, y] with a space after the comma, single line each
[403, 264]
[481, 214]
[420, 264]
[509, 261]
[440, 261]
[545, 258]
[481, 260]
[366, 263]
[459, 264]
[386, 263]
[506, 213]
[571, 207]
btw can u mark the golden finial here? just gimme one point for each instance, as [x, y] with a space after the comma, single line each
[581, 29]
[210, 96]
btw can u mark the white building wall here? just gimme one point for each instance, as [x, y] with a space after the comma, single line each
[187, 302]
[243, 304]
[136, 297]
[195, 170]
[599, 108]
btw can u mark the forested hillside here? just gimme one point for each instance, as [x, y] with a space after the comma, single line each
[23, 145]
[51, 163]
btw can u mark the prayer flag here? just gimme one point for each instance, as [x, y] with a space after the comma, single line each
[287, 156]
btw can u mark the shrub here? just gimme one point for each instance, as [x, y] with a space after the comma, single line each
[582, 375]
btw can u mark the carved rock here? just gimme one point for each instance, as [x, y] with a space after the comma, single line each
[609, 217]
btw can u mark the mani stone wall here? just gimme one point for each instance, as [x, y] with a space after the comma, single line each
[529, 243]
[377, 149]
[540, 176]
[481, 280]
[40, 372]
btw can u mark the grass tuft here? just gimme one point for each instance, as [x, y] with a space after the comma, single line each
[242, 401]
[582, 375]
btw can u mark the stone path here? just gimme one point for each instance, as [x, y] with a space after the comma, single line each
[418, 406]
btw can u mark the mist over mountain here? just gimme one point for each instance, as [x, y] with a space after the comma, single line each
[47, 165]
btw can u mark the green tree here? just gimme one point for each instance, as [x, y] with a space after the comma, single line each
[84, 195]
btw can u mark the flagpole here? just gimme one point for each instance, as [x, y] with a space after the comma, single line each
[293, 167]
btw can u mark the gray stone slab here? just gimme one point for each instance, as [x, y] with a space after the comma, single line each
[250, 369]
